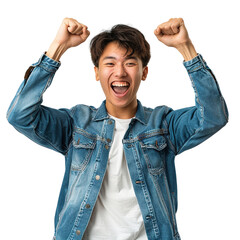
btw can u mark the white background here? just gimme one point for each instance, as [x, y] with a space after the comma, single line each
[208, 176]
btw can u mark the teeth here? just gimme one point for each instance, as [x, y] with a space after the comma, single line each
[120, 84]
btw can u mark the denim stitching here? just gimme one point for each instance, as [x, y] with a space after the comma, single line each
[201, 109]
[145, 192]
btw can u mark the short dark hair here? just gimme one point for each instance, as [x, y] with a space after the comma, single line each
[128, 37]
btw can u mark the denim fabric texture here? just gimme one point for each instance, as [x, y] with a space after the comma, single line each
[84, 135]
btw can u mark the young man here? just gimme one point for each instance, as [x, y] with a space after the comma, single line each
[120, 180]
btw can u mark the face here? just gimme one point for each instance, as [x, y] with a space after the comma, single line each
[120, 76]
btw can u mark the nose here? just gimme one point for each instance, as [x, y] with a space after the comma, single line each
[120, 71]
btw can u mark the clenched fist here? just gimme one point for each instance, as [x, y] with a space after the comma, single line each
[70, 34]
[173, 33]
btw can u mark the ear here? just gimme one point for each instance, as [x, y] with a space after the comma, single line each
[145, 73]
[96, 73]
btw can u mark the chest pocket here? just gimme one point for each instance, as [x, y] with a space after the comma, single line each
[83, 147]
[154, 151]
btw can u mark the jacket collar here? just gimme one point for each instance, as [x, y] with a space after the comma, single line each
[102, 113]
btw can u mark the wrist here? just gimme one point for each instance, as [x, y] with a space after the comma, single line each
[55, 51]
[187, 50]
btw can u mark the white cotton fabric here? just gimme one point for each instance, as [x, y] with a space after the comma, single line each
[116, 214]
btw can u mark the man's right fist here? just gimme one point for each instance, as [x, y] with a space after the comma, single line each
[70, 34]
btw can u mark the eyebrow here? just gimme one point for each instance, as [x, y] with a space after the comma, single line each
[128, 57]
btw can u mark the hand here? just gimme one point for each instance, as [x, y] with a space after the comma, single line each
[173, 33]
[70, 34]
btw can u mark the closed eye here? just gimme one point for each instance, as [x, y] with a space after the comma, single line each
[109, 64]
[131, 64]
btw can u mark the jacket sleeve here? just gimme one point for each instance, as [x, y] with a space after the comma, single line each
[189, 127]
[46, 126]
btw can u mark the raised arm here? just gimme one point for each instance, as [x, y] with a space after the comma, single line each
[46, 126]
[191, 126]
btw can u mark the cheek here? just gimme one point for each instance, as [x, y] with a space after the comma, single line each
[137, 79]
[106, 73]
[104, 80]
[104, 85]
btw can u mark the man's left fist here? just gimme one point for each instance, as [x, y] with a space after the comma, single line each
[173, 33]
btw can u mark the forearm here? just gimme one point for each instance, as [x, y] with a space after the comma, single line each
[211, 111]
[187, 50]
[209, 100]
[29, 95]
[55, 51]
[46, 126]
[193, 125]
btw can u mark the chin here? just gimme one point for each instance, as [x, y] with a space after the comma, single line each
[123, 103]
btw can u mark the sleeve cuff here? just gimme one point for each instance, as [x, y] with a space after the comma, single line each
[195, 63]
[47, 62]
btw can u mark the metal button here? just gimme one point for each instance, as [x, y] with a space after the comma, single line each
[109, 140]
[87, 206]
[107, 147]
[110, 122]
[97, 177]
[78, 232]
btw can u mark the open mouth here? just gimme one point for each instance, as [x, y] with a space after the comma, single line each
[120, 87]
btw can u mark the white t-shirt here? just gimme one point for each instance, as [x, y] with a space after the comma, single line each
[116, 214]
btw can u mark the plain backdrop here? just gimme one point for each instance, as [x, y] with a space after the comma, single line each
[208, 175]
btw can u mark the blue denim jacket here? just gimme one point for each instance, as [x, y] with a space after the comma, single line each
[84, 136]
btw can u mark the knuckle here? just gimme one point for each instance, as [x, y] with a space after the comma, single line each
[74, 26]
[65, 20]
[164, 29]
[180, 19]
[165, 26]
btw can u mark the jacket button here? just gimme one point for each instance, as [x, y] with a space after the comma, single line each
[78, 232]
[109, 140]
[87, 206]
[107, 147]
[97, 177]
[110, 122]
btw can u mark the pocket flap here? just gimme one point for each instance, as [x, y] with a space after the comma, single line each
[82, 141]
[157, 142]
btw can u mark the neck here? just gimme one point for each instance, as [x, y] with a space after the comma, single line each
[122, 112]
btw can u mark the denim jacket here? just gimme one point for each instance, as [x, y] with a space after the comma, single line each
[84, 136]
